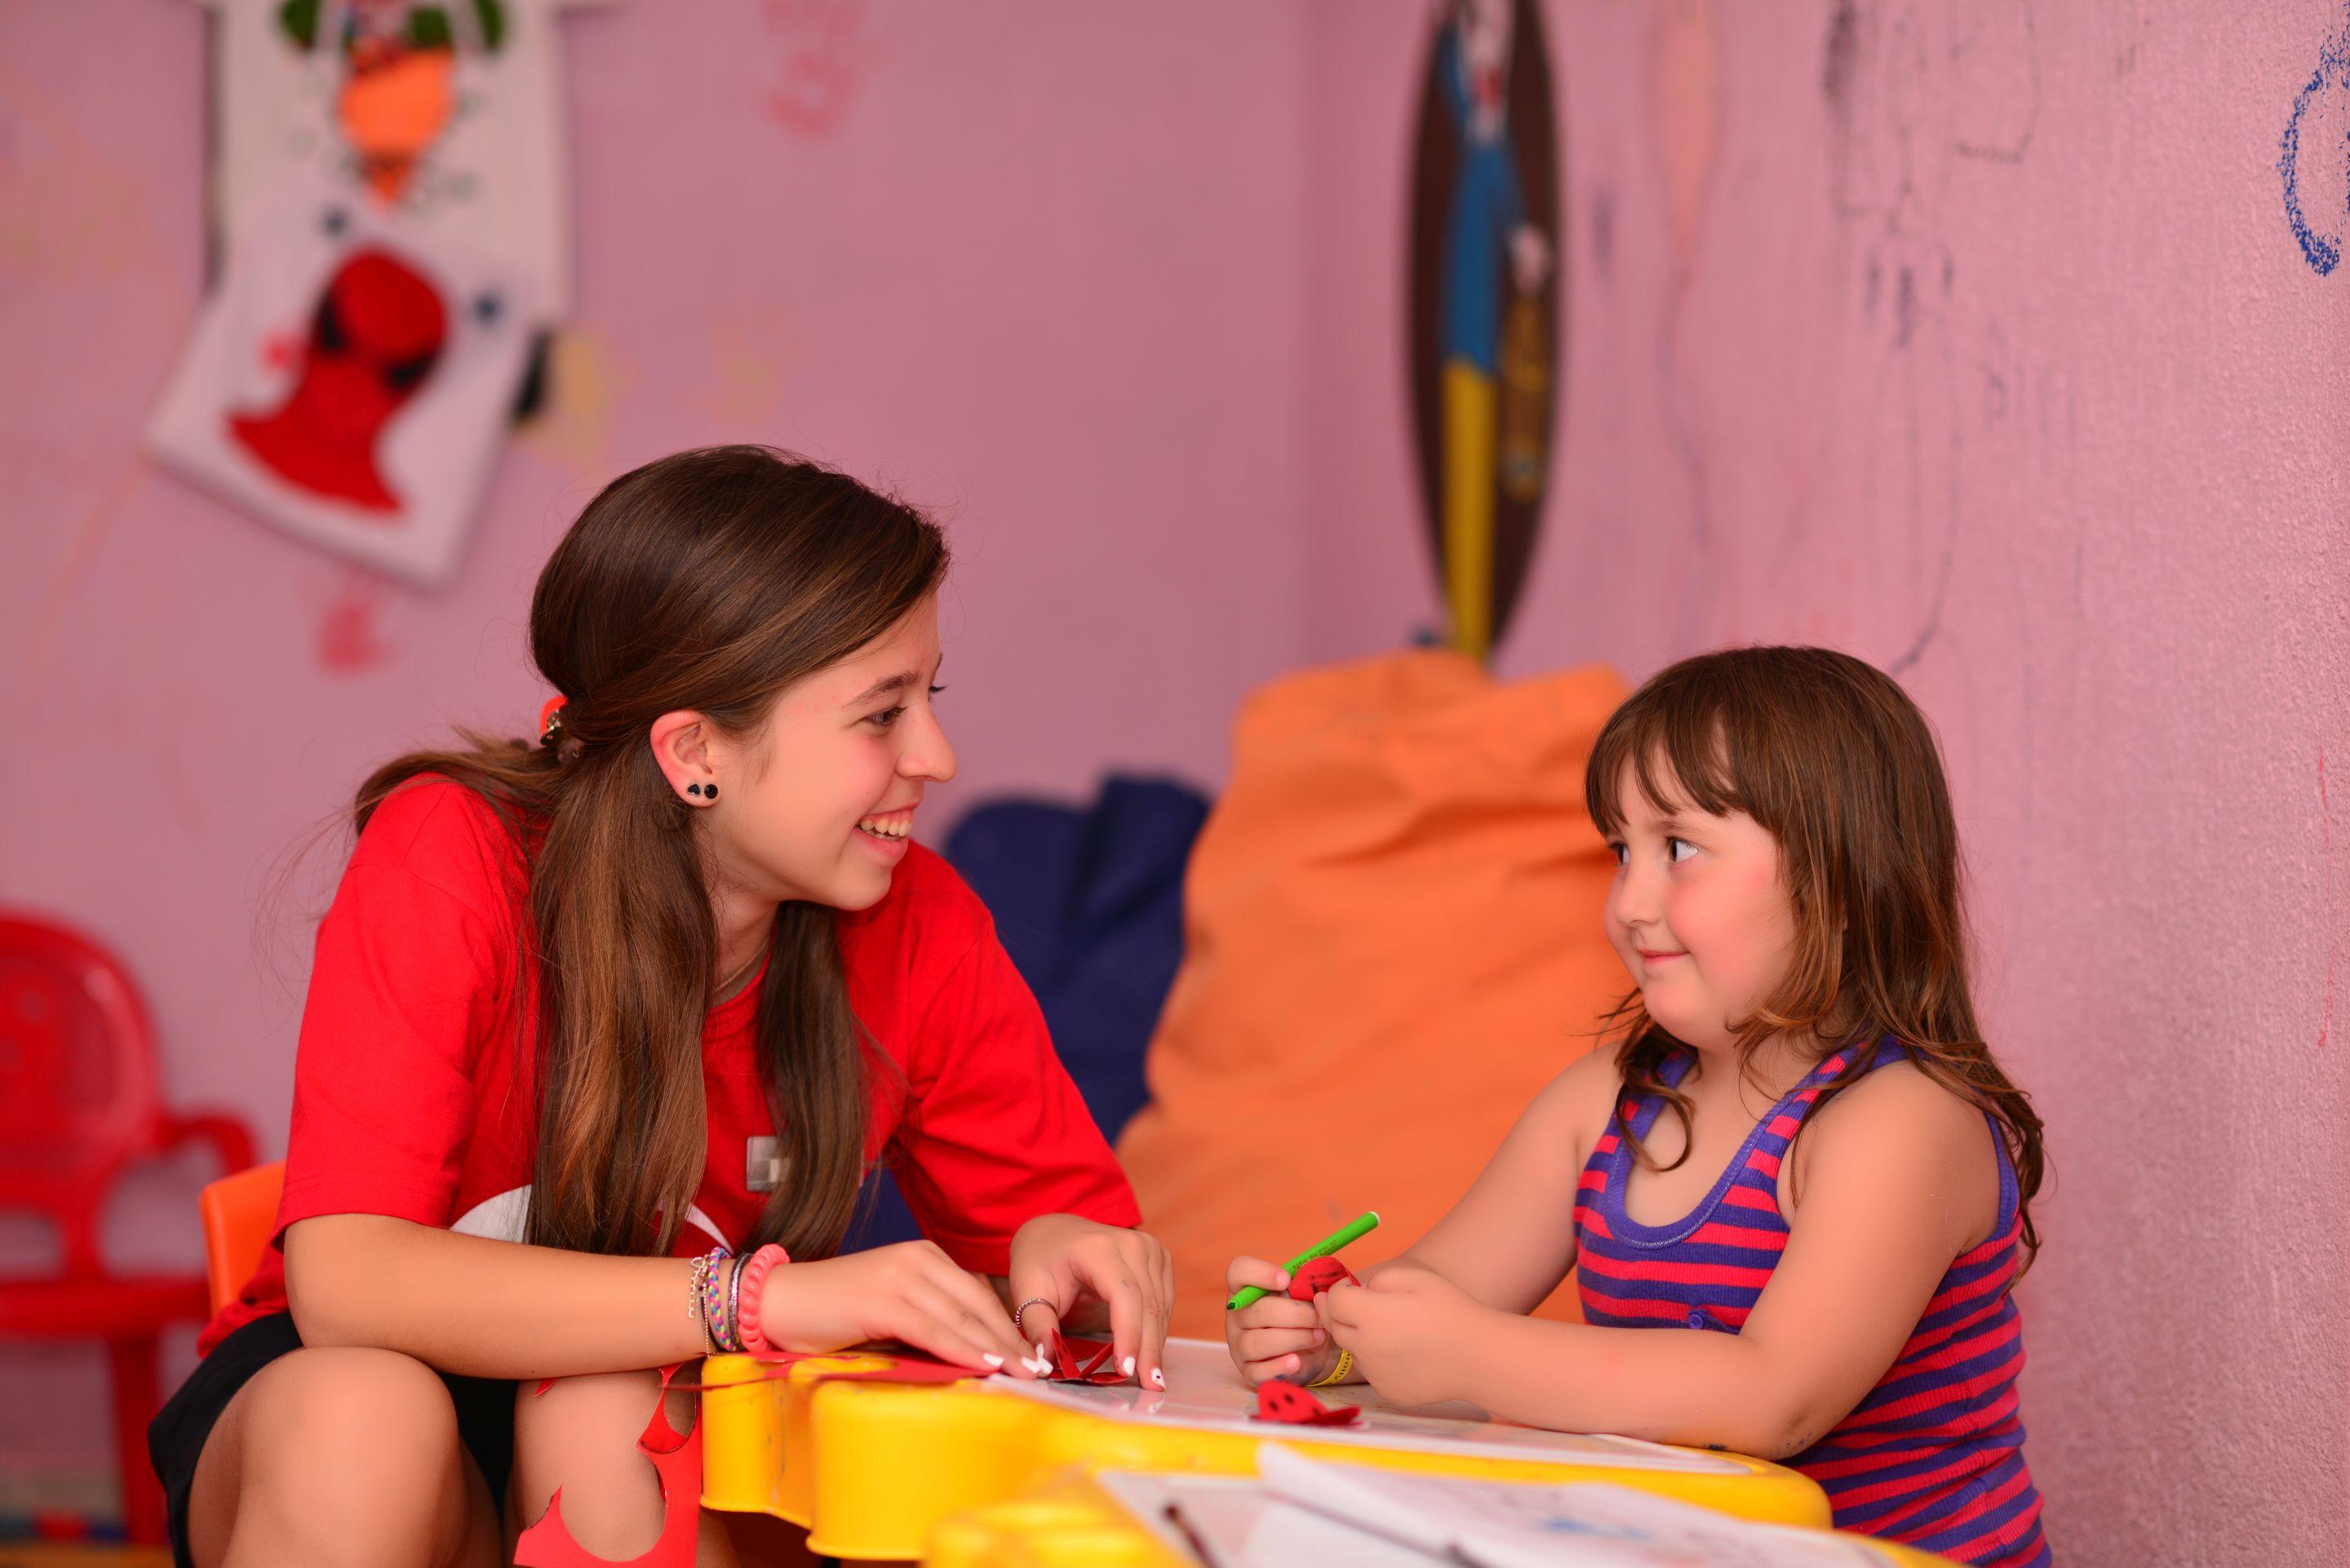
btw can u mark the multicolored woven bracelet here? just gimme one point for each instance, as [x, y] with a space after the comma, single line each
[711, 1292]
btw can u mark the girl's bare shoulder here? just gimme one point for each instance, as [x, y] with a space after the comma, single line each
[1576, 1105]
[1900, 1101]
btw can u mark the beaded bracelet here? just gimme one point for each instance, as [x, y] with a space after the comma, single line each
[711, 1296]
[693, 1305]
[750, 1284]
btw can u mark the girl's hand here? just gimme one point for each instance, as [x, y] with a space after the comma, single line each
[1065, 1260]
[911, 1291]
[1275, 1337]
[1410, 1329]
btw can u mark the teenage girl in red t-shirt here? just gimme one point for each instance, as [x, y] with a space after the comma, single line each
[577, 1002]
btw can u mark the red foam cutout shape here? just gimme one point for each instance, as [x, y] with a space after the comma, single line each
[1293, 1406]
[1096, 1368]
[677, 1462]
[1318, 1276]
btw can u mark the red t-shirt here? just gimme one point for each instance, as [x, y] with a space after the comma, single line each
[412, 1100]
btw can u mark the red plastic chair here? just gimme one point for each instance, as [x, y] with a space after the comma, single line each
[79, 1105]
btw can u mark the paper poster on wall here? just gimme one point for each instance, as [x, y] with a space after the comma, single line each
[450, 113]
[348, 385]
[1486, 257]
[393, 249]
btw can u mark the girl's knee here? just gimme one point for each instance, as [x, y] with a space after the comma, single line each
[594, 1412]
[345, 1446]
[580, 1436]
[596, 1397]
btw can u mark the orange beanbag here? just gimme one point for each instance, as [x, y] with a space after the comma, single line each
[1392, 941]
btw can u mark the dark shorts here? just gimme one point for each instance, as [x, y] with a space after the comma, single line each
[175, 1439]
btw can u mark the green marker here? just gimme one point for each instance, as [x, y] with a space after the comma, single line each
[1250, 1295]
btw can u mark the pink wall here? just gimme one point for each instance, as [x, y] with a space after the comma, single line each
[1037, 267]
[1120, 288]
[2091, 503]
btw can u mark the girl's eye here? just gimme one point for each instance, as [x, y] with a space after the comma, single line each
[1618, 851]
[1675, 848]
[889, 716]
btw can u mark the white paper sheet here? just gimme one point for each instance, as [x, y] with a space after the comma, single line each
[1205, 1392]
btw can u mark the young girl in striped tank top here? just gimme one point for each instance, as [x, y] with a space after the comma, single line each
[1797, 1158]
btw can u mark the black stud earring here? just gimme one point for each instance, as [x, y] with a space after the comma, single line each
[710, 792]
[694, 789]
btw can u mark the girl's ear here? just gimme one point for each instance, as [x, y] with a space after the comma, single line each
[681, 743]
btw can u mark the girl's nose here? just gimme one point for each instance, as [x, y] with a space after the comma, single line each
[1635, 899]
[930, 754]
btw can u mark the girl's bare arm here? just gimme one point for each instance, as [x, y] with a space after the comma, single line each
[499, 1309]
[488, 1308]
[1899, 1177]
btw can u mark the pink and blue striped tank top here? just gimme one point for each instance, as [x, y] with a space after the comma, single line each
[1933, 1457]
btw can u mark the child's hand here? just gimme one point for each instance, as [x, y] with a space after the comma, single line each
[1275, 1337]
[1409, 1328]
[1061, 1261]
[911, 1291]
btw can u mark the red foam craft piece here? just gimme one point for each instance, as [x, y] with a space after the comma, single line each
[1293, 1406]
[1097, 1368]
[1318, 1276]
[676, 1461]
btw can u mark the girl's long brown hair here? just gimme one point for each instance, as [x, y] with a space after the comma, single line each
[709, 580]
[1834, 758]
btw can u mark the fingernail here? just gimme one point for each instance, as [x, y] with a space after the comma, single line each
[1129, 1366]
[1158, 1377]
[1280, 1279]
[1041, 1357]
[991, 1358]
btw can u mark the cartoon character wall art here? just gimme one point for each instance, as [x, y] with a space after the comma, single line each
[373, 340]
[393, 246]
[398, 63]
[1486, 300]
[349, 387]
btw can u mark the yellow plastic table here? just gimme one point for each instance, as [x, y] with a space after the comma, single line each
[872, 1470]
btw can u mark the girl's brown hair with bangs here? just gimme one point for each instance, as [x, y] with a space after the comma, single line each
[709, 580]
[1831, 756]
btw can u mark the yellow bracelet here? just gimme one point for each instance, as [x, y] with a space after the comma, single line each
[1336, 1373]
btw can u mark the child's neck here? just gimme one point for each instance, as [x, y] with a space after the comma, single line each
[1779, 1064]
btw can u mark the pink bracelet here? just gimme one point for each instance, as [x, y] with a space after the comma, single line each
[752, 1273]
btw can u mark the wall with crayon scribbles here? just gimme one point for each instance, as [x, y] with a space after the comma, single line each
[2002, 344]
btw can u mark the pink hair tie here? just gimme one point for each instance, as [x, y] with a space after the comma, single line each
[753, 1270]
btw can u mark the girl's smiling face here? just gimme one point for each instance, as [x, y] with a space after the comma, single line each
[1698, 912]
[818, 804]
